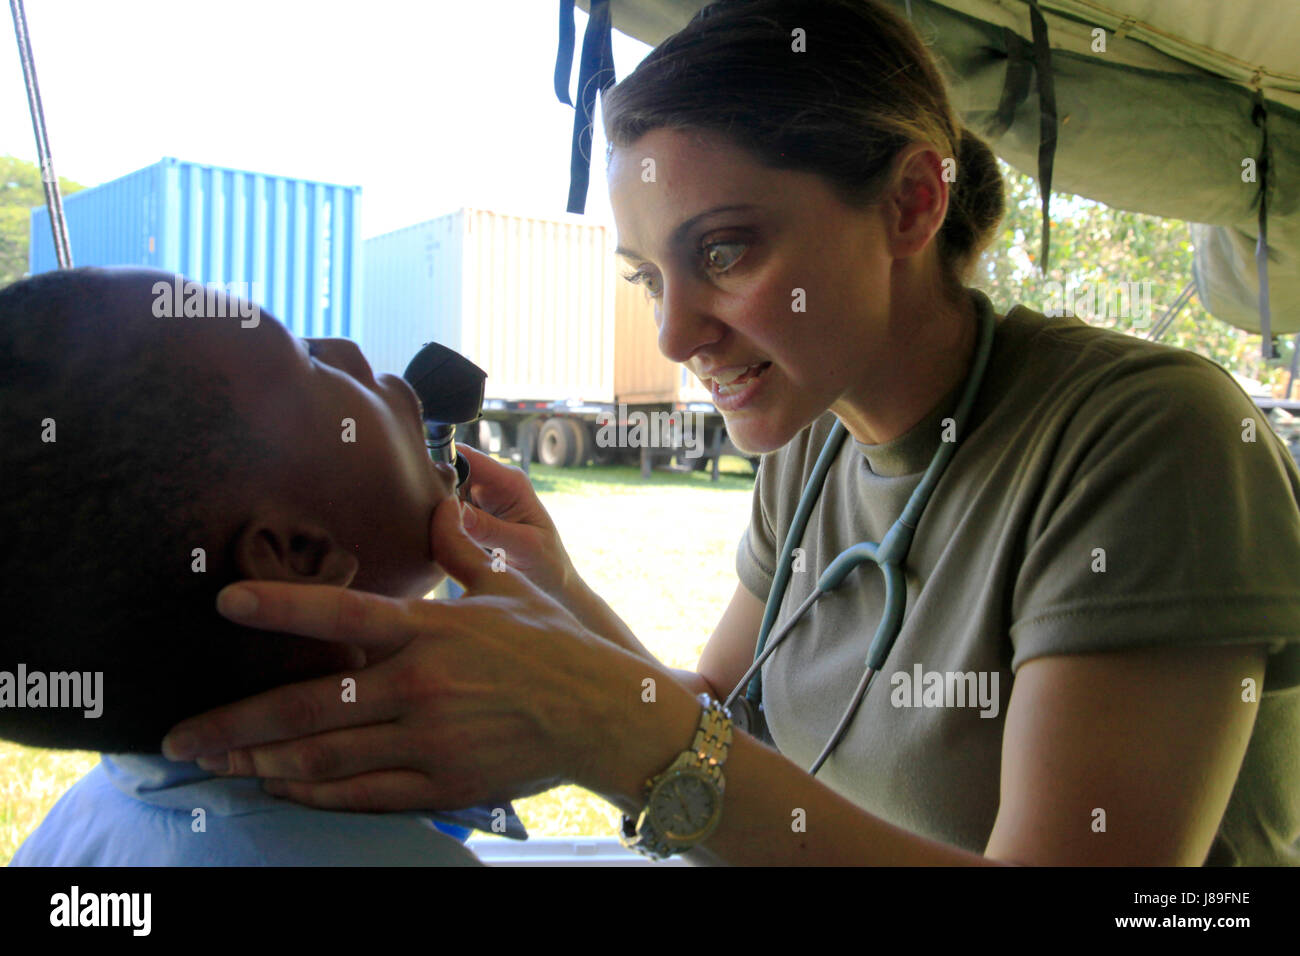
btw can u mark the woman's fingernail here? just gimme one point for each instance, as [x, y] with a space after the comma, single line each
[219, 763]
[467, 519]
[236, 602]
[180, 747]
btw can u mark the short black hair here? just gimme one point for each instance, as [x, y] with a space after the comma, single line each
[98, 525]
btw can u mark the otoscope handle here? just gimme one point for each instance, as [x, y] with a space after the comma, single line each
[450, 387]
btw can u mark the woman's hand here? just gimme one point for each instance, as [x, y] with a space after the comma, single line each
[507, 514]
[498, 694]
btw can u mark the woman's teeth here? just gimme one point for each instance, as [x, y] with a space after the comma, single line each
[726, 384]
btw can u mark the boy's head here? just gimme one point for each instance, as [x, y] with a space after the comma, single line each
[131, 440]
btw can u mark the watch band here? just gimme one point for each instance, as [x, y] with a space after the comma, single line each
[750, 719]
[703, 761]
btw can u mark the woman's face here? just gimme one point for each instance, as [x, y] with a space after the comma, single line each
[750, 266]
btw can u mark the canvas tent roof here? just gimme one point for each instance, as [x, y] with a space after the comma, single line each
[1158, 123]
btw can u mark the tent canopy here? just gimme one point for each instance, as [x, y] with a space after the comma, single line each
[1167, 119]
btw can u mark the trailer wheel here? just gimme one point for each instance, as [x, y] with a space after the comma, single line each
[608, 455]
[582, 442]
[468, 435]
[534, 426]
[555, 444]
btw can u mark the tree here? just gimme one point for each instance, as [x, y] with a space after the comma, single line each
[21, 189]
[1093, 243]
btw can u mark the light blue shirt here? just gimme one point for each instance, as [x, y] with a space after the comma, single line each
[139, 810]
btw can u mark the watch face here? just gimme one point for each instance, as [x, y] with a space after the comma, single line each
[684, 805]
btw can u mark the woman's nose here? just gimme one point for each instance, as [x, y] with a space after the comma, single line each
[684, 321]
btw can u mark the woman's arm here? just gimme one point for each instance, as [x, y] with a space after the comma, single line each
[507, 514]
[1157, 737]
[765, 797]
[726, 656]
[1125, 758]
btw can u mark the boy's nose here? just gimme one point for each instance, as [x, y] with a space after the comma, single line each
[345, 355]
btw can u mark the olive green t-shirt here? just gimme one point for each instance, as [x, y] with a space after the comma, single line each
[1105, 495]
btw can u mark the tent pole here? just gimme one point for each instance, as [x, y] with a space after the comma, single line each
[53, 199]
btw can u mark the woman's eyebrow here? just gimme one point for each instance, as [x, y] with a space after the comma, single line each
[679, 234]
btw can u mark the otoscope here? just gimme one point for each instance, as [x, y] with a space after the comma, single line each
[450, 387]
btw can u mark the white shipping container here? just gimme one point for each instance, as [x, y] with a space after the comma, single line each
[641, 373]
[538, 304]
[528, 300]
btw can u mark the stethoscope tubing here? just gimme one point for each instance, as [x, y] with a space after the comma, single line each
[889, 554]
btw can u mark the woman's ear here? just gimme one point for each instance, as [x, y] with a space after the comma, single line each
[277, 546]
[918, 199]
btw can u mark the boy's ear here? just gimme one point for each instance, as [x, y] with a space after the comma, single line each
[276, 546]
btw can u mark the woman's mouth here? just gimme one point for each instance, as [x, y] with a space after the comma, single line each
[736, 389]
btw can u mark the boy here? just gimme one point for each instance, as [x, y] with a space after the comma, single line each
[150, 458]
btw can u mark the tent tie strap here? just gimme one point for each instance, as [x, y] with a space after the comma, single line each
[1259, 116]
[1015, 88]
[595, 74]
[1046, 118]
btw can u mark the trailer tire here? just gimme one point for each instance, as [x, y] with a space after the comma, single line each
[582, 442]
[605, 455]
[468, 435]
[533, 425]
[555, 444]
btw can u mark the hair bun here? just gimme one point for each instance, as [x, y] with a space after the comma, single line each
[976, 202]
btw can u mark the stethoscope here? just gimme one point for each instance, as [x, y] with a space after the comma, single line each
[889, 554]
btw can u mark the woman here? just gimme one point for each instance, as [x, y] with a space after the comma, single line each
[1088, 625]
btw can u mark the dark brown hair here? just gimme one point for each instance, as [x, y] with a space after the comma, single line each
[865, 88]
[97, 528]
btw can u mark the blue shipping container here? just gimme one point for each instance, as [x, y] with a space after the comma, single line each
[294, 244]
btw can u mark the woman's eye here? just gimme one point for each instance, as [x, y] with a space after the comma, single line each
[642, 278]
[721, 256]
[718, 256]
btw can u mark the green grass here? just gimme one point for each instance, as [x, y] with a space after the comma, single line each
[660, 551]
[31, 781]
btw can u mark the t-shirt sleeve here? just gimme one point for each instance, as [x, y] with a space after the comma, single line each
[1169, 517]
[756, 555]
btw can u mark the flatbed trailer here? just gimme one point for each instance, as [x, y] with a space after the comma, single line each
[568, 434]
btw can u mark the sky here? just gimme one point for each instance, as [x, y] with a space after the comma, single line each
[428, 105]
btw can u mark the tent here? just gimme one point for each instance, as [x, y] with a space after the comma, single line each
[1185, 109]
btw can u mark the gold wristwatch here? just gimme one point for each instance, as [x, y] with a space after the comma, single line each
[684, 803]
